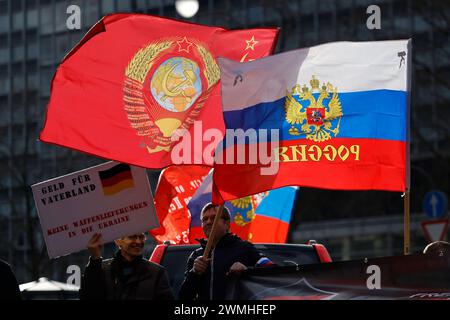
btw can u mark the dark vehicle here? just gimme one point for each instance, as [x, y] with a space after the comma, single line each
[174, 257]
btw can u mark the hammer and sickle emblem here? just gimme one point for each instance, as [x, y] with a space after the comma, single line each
[189, 78]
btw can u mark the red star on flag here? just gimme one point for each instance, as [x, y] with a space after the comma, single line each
[251, 43]
[184, 45]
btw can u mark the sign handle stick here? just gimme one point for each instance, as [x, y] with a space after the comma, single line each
[212, 235]
[406, 224]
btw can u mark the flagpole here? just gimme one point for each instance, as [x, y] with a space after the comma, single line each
[406, 224]
[406, 201]
[212, 234]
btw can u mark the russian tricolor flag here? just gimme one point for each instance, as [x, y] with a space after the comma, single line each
[341, 110]
[261, 218]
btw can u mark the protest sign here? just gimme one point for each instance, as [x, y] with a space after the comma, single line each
[113, 199]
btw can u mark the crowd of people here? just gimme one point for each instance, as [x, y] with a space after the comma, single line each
[129, 276]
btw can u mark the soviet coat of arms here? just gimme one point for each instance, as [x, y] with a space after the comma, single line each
[166, 85]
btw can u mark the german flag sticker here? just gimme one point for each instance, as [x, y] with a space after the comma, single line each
[116, 179]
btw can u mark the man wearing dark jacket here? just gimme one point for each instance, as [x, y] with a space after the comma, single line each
[127, 276]
[9, 289]
[206, 279]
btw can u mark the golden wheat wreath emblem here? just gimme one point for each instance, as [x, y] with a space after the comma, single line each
[246, 205]
[316, 118]
[166, 85]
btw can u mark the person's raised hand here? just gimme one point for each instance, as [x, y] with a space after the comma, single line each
[95, 246]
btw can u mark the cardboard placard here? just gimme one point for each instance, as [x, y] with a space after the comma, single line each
[113, 199]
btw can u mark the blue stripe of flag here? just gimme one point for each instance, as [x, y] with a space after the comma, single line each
[377, 114]
[278, 204]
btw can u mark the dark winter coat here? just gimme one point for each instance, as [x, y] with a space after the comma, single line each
[211, 285]
[9, 289]
[119, 279]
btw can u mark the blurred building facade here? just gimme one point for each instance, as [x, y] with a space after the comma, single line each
[34, 38]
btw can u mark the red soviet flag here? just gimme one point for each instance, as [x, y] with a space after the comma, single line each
[176, 186]
[136, 83]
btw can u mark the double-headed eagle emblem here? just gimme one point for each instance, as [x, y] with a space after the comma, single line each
[246, 208]
[246, 205]
[314, 119]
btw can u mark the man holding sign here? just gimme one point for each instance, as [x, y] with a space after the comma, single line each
[127, 276]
